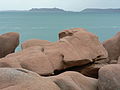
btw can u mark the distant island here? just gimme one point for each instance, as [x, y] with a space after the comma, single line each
[97, 10]
[58, 10]
[88, 10]
[47, 10]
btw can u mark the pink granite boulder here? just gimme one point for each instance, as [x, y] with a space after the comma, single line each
[113, 47]
[8, 43]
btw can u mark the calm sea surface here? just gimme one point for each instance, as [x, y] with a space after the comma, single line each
[47, 25]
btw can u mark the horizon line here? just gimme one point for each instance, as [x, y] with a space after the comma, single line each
[53, 8]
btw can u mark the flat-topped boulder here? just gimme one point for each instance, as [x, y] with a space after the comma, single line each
[113, 47]
[8, 43]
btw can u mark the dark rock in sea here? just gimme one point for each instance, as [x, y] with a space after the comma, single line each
[109, 77]
[21, 79]
[113, 47]
[8, 43]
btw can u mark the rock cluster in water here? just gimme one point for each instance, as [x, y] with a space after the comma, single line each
[77, 61]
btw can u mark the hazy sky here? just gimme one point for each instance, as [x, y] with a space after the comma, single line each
[74, 5]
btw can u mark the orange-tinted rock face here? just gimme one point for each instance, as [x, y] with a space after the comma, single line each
[8, 43]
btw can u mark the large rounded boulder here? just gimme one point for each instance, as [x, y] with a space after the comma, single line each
[21, 79]
[109, 77]
[113, 47]
[8, 43]
[31, 59]
[75, 81]
[81, 47]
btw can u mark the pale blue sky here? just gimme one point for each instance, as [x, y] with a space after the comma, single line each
[72, 5]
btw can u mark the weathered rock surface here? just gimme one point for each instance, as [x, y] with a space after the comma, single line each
[76, 47]
[80, 47]
[8, 43]
[118, 61]
[70, 32]
[21, 79]
[31, 59]
[91, 70]
[109, 77]
[113, 47]
[113, 61]
[34, 42]
[74, 81]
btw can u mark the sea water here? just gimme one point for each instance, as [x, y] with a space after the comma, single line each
[46, 26]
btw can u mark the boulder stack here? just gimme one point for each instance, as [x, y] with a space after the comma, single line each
[76, 47]
[71, 63]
